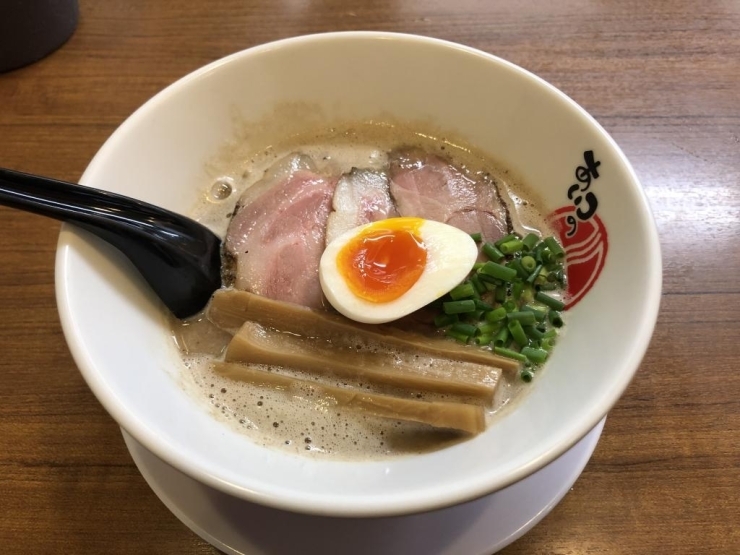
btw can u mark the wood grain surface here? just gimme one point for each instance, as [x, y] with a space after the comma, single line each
[663, 77]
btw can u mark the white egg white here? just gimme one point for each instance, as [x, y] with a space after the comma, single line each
[451, 254]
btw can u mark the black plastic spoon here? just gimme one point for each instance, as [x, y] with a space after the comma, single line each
[178, 257]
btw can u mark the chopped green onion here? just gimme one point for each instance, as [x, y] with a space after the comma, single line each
[516, 264]
[467, 329]
[493, 306]
[510, 247]
[555, 249]
[462, 291]
[525, 318]
[500, 294]
[458, 307]
[502, 337]
[492, 252]
[517, 333]
[555, 318]
[509, 354]
[549, 301]
[473, 317]
[527, 294]
[505, 239]
[461, 337]
[498, 271]
[548, 343]
[555, 275]
[484, 339]
[482, 305]
[538, 356]
[485, 278]
[530, 241]
[516, 290]
[535, 274]
[488, 328]
[529, 264]
[477, 284]
[537, 252]
[444, 320]
[539, 315]
[533, 333]
[496, 315]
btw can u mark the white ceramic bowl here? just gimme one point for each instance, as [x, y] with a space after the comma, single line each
[118, 337]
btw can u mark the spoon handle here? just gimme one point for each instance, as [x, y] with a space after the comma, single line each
[178, 257]
[75, 203]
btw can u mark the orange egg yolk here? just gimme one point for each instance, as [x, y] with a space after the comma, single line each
[385, 260]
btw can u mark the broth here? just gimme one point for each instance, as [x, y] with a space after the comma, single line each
[299, 421]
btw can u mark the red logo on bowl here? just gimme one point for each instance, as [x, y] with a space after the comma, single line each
[581, 231]
[585, 250]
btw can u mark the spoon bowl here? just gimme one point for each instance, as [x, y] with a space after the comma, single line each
[179, 258]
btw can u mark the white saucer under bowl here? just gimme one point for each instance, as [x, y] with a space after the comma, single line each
[483, 526]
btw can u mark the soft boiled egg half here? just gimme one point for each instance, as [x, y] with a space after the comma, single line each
[387, 269]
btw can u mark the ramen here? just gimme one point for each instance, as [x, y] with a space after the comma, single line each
[385, 293]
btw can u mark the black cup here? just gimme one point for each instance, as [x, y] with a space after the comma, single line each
[32, 29]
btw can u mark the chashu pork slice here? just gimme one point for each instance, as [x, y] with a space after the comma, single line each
[278, 233]
[362, 196]
[427, 186]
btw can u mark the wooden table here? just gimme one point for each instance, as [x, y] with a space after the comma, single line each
[662, 77]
